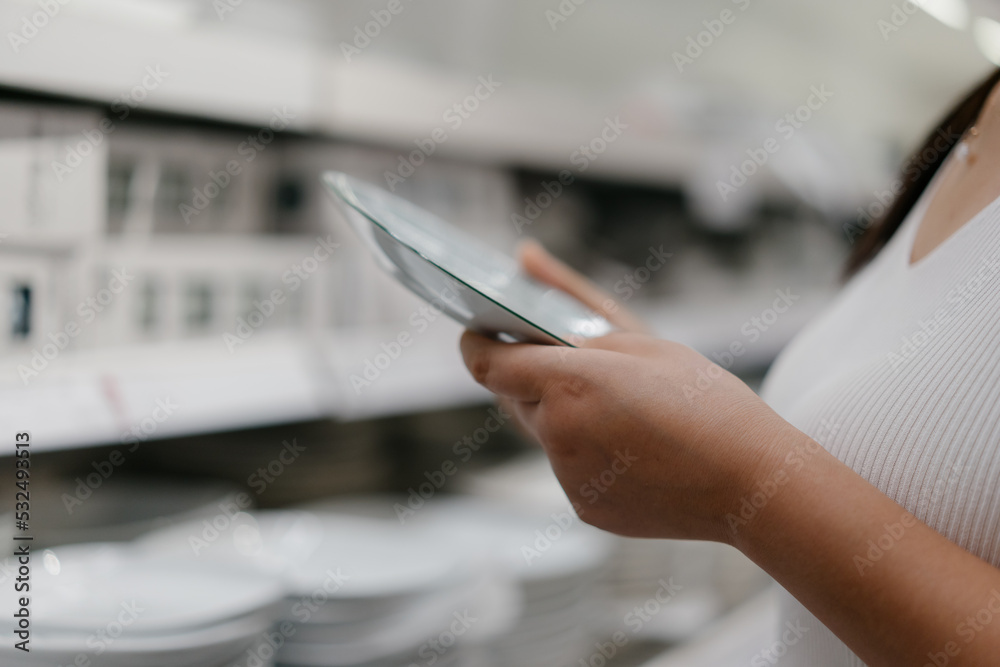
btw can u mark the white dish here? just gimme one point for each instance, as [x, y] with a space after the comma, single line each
[215, 644]
[479, 287]
[512, 538]
[76, 586]
[381, 561]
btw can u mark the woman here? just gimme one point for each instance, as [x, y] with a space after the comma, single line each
[868, 484]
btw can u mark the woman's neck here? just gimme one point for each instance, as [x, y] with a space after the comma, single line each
[970, 182]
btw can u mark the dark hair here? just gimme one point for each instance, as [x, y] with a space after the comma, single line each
[917, 173]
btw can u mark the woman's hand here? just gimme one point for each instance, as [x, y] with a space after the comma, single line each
[545, 268]
[648, 438]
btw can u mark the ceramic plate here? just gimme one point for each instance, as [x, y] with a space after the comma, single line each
[481, 288]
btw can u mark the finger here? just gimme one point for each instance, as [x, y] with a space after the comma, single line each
[521, 371]
[546, 268]
[624, 319]
[634, 344]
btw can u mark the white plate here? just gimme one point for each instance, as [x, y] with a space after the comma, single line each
[81, 588]
[379, 559]
[576, 554]
[218, 644]
[479, 287]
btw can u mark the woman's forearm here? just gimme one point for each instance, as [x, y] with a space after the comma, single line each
[889, 586]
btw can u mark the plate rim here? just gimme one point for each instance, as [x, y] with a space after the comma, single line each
[331, 176]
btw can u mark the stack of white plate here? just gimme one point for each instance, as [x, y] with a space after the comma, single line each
[556, 562]
[106, 605]
[360, 592]
[712, 577]
[552, 561]
[638, 570]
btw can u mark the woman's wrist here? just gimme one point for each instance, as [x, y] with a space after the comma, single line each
[772, 479]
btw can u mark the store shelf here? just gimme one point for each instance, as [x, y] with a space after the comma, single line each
[427, 374]
[89, 52]
[97, 396]
[78, 54]
[397, 104]
[91, 397]
[94, 397]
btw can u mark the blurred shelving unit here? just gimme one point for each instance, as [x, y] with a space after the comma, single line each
[327, 352]
[100, 50]
[372, 100]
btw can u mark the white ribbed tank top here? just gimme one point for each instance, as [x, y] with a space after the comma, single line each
[900, 379]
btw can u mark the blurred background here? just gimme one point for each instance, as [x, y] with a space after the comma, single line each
[271, 451]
